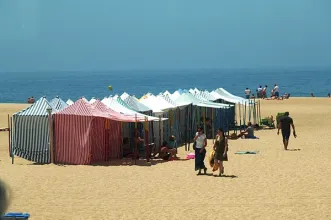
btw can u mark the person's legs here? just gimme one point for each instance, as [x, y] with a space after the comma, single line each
[286, 137]
[221, 169]
[203, 155]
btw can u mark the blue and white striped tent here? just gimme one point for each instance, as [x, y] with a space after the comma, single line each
[30, 133]
[58, 103]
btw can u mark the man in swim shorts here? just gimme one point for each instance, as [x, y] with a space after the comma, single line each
[285, 124]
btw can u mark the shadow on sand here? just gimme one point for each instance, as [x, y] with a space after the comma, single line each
[296, 149]
[119, 162]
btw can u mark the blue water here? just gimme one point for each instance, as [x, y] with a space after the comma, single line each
[17, 87]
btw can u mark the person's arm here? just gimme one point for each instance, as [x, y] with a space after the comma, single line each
[226, 146]
[196, 136]
[279, 126]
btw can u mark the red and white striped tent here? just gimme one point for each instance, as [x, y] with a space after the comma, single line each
[84, 135]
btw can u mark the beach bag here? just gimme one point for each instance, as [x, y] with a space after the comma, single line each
[194, 145]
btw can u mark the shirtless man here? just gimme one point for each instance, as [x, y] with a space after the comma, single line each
[285, 124]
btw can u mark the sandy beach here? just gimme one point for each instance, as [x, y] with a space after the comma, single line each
[273, 184]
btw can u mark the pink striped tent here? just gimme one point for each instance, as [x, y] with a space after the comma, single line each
[84, 135]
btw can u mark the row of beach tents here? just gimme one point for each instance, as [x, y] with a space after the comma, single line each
[86, 132]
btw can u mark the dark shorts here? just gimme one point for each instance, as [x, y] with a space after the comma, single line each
[277, 94]
[286, 135]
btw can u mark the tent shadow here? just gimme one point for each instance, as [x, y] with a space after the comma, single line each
[295, 149]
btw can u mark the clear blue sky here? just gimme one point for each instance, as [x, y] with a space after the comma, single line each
[37, 35]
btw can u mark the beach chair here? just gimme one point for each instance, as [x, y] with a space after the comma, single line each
[267, 122]
[278, 116]
[15, 215]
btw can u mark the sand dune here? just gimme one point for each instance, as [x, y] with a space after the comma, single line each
[272, 184]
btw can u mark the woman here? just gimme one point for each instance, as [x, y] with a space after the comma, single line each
[200, 151]
[221, 149]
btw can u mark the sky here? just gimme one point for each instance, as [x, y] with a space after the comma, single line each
[62, 35]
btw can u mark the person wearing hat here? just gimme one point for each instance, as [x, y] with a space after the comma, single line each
[285, 124]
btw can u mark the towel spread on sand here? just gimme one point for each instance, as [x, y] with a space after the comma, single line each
[246, 152]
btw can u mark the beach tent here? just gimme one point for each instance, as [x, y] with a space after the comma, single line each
[92, 100]
[175, 95]
[85, 135]
[228, 97]
[134, 104]
[167, 93]
[155, 102]
[124, 95]
[205, 94]
[30, 133]
[58, 103]
[69, 102]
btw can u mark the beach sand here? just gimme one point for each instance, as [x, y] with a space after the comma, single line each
[272, 184]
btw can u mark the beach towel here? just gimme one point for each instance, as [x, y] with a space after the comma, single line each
[15, 215]
[246, 152]
[190, 156]
[212, 163]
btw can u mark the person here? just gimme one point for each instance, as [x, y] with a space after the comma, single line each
[4, 198]
[247, 93]
[276, 91]
[259, 92]
[200, 151]
[248, 133]
[329, 95]
[168, 151]
[312, 95]
[285, 124]
[221, 149]
[264, 92]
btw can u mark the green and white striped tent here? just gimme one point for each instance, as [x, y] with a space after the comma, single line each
[58, 103]
[30, 133]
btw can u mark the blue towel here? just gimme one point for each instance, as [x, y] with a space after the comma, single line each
[15, 215]
[246, 152]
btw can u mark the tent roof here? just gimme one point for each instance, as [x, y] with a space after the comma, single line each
[82, 108]
[69, 102]
[117, 106]
[157, 103]
[39, 108]
[113, 114]
[135, 104]
[58, 103]
[92, 100]
[188, 98]
[225, 95]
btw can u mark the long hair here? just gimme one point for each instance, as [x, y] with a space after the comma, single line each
[222, 131]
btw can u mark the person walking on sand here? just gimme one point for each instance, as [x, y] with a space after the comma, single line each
[200, 151]
[285, 124]
[221, 149]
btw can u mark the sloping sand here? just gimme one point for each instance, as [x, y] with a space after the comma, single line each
[272, 184]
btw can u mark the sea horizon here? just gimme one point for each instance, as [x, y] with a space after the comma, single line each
[16, 87]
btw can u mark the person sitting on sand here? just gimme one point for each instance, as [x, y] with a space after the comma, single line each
[248, 133]
[167, 152]
[127, 152]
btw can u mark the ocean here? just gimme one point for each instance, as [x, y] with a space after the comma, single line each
[17, 87]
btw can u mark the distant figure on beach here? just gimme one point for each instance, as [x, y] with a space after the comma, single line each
[247, 93]
[264, 92]
[329, 95]
[31, 100]
[200, 151]
[276, 91]
[312, 95]
[221, 149]
[259, 92]
[285, 124]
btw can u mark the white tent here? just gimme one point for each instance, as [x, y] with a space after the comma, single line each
[92, 100]
[69, 102]
[155, 102]
[124, 95]
[225, 95]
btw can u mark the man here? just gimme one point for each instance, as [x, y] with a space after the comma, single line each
[259, 92]
[247, 93]
[285, 124]
[264, 92]
[276, 91]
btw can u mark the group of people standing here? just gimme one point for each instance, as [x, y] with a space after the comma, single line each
[220, 147]
[262, 92]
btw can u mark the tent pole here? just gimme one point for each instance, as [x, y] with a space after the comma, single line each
[213, 124]
[135, 142]
[9, 137]
[12, 137]
[146, 139]
[50, 127]
[160, 132]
